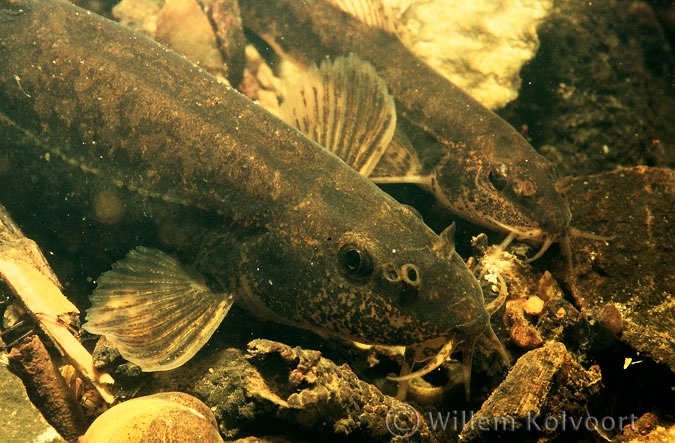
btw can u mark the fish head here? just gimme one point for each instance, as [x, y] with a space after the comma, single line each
[386, 280]
[504, 188]
[415, 291]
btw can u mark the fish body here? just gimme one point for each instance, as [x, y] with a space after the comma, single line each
[264, 216]
[483, 170]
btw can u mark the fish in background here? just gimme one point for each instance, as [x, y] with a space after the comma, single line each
[479, 167]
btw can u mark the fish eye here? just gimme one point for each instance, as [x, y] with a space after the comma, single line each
[497, 177]
[356, 262]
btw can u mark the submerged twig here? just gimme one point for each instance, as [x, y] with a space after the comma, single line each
[27, 273]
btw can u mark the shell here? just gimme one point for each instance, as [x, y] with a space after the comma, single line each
[164, 417]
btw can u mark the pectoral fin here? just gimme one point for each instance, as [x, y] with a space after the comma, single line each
[400, 164]
[400, 161]
[344, 106]
[153, 311]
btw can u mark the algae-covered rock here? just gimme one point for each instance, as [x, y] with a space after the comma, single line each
[277, 391]
[480, 45]
[599, 93]
[545, 385]
[22, 420]
[634, 270]
[208, 32]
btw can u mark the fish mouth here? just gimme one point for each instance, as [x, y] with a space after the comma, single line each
[550, 226]
[416, 353]
[535, 234]
[436, 351]
[545, 238]
[447, 344]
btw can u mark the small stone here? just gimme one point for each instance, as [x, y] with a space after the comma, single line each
[533, 306]
[526, 336]
[548, 288]
[156, 418]
[611, 320]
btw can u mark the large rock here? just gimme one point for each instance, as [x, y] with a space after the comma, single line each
[599, 92]
[628, 283]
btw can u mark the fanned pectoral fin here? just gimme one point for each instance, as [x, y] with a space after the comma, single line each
[153, 311]
[344, 106]
[400, 162]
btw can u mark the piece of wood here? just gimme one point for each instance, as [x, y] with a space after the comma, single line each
[31, 362]
[27, 273]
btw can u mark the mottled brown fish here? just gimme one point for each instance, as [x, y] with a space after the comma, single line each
[482, 169]
[265, 217]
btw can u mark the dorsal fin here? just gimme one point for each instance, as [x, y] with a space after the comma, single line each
[444, 244]
[373, 13]
[399, 160]
[345, 107]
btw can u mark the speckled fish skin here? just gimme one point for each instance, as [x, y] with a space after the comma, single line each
[88, 106]
[485, 182]
[477, 141]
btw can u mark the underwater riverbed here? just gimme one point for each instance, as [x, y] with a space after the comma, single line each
[589, 328]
